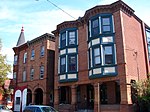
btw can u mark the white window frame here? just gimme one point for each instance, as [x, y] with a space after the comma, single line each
[42, 51]
[41, 70]
[25, 57]
[24, 76]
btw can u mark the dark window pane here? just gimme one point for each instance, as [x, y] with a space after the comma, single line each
[108, 54]
[95, 23]
[63, 40]
[72, 63]
[95, 31]
[63, 65]
[108, 59]
[95, 27]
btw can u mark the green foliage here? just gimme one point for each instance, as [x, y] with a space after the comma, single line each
[4, 69]
[143, 94]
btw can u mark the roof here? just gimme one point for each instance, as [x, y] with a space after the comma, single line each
[21, 39]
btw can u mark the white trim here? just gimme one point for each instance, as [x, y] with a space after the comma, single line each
[62, 77]
[58, 65]
[115, 54]
[113, 24]
[100, 28]
[90, 28]
[88, 58]
[102, 55]
[72, 50]
[77, 62]
[109, 70]
[89, 44]
[62, 51]
[59, 41]
[96, 41]
[66, 63]
[72, 76]
[91, 57]
[77, 37]
[66, 38]
[97, 71]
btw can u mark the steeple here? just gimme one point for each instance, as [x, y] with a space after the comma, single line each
[21, 39]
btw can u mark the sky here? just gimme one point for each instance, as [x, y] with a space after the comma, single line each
[41, 16]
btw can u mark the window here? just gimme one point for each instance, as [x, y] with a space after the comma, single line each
[25, 57]
[95, 27]
[14, 75]
[63, 39]
[97, 59]
[24, 76]
[148, 41]
[72, 36]
[108, 55]
[15, 59]
[32, 54]
[31, 74]
[17, 100]
[63, 64]
[42, 72]
[148, 36]
[72, 63]
[42, 51]
[106, 25]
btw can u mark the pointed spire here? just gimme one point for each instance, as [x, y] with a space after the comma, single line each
[21, 39]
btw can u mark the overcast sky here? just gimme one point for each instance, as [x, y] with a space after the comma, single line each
[40, 16]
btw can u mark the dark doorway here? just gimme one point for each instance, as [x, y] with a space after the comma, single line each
[110, 92]
[65, 95]
[103, 94]
[85, 97]
[29, 96]
[38, 96]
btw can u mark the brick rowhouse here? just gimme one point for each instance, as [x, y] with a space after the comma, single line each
[34, 67]
[97, 57]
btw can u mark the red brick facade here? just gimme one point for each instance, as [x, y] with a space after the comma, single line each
[44, 86]
[131, 57]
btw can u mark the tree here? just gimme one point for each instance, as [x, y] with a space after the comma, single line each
[4, 69]
[142, 95]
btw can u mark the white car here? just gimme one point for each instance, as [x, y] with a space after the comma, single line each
[4, 108]
[39, 108]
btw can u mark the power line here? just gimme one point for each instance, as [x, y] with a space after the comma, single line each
[60, 9]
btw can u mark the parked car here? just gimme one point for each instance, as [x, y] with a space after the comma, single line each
[4, 108]
[39, 108]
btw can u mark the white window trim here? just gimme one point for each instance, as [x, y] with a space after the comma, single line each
[100, 28]
[91, 57]
[113, 26]
[25, 57]
[66, 38]
[58, 65]
[90, 28]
